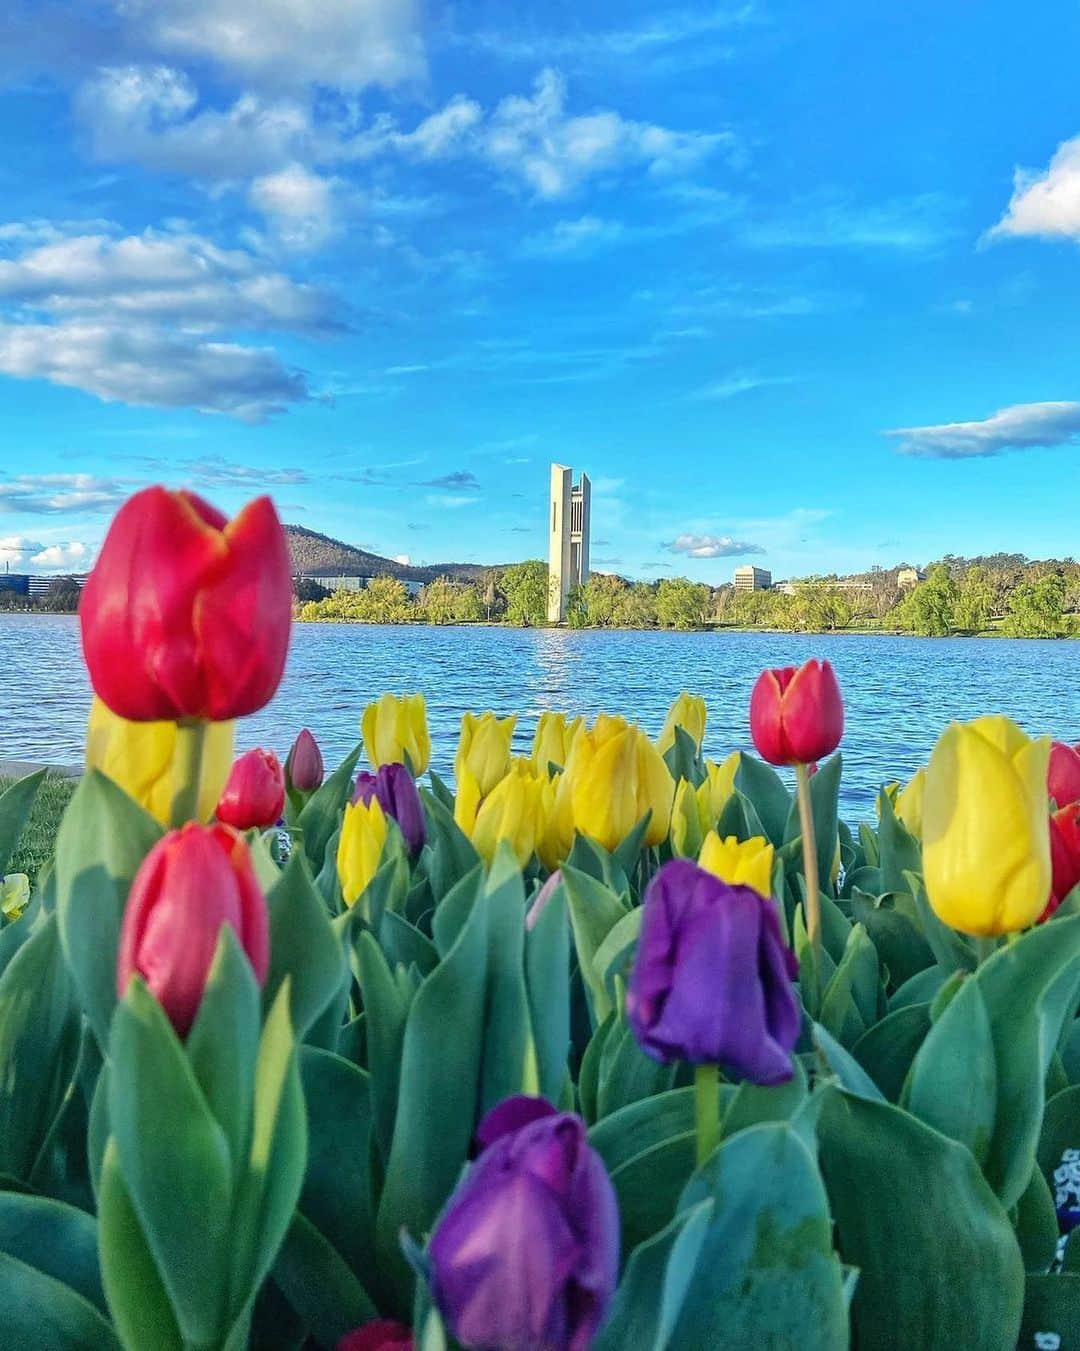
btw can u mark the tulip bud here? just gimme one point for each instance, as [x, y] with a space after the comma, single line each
[909, 804]
[688, 712]
[718, 786]
[395, 789]
[712, 978]
[1063, 775]
[797, 715]
[555, 735]
[526, 1254]
[254, 794]
[1064, 854]
[14, 895]
[986, 842]
[395, 730]
[686, 834]
[515, 811]
[484, 749]
[381, 1335]
[616, 776]
[191, 883]
[186, 614]
[542, 899]
[305, 763]
[360, 849]
[746, 862]
[141, 758]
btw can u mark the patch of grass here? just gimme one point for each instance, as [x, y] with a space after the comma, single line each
[38, 840]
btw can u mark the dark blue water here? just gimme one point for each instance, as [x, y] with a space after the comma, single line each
[899, 692]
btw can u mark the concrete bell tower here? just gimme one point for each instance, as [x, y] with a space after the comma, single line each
[570, 510]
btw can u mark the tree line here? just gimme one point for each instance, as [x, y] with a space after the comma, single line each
[1016, 598]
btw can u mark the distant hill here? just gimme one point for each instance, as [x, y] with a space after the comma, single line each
[315, 555]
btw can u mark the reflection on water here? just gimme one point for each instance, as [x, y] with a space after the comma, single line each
[899, 692]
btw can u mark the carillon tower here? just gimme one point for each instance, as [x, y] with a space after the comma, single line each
[571, 509]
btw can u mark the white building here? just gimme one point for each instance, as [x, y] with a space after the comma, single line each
[571, 512]
[752, 579]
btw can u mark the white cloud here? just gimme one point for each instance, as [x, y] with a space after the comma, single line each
[711, 546]
[49, 494]
[19, 552]
[829, 220]
[147, 366]
[1046, 204]
[1020, 427]
[300, 206]
[178, 279]
[655, 32]
[403, 559]
[739, 382]
[450, 501]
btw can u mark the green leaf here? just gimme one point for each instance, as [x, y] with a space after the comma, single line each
[40, 1311]
[449, 853]
[887, 1049]
[174, 1160]
[319, 1285]
[950, 950]
[1052, 1313]
[103, 838]
[825, 798]
[56, 1239]
[613, 954]
[138, 1300]
[627, 1074]
[386, 1004]
[338, 1194]
[766, 1273]
[847, 1069]
[270, 1186]
[1014, 1005]
[1036, 1224]
[40, 1031]
[751, 1104]
[1060, 1130]
[899, 852]
[919, 989]
[641, 1125]
[767, 791]
[547, 981]
[939, 1264]
[683, 758]
[896, 933]
[303, 947]
[223, 1043]
[404, 944]
[853, 998]
[321, 816]
[16, 804]
[594, 911]
[649, 1184]
[441, 1060]
[509, 1061]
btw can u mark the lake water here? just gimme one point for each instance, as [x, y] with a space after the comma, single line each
[899, 692]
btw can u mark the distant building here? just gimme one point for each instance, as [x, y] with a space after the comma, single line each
[847, 585]
[752, 579]
[571, 520]
[32, 585]
[906, 578]
[335, 583]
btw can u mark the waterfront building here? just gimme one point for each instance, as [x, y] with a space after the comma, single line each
[906, 578]
[749, 578]
[571, 519]
[332, 582]
[33, 585]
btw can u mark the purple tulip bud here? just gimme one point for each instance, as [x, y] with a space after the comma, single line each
[711, 982]
[395, 789]
[526, 1255]
[305, 763]
[509, 1116]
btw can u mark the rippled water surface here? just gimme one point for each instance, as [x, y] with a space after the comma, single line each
[899, 692]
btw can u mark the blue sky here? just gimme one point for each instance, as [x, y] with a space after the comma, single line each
[796, 284]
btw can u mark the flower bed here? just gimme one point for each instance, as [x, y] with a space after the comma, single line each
[610, 1046]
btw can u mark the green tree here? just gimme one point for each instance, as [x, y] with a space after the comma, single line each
[62, 596]
[682, 604]
[975, 599]
[469, 606]
[1036, 609]
[525, 586]
[636, 608]
[385, 601]
[928, 607]
[437, 601]
[603, 596]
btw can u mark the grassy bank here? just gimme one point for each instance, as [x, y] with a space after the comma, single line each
[39, 838]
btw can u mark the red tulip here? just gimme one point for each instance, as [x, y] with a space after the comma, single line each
[254, 793]
[1064, 854]
[186, 614]
[797, 715]
[191, 883]
[382, 1335]
[1063, 777]
[305, 763]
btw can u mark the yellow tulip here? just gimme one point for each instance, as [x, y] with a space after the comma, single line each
[986, 843]
[360, 849]
[555, 735]
[558, 837]
[908, 804]
[515, 811]
[484, 750]
[615, 776]
[717, 787]
[686, 832]
[14, 895]
[395, 726]
[688, 712]
[749, 862]
[139, 757]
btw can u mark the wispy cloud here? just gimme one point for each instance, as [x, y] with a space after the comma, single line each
[739, 382]
[55, 494]
[831, 220]
[711, 546]
[17, 551]
[1045, 204]
[450, 500]
[460, 480]
[1024, 426]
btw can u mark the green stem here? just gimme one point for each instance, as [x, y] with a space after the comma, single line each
[706, 1110]
[985, 947]
[190, 740]
[810, 870]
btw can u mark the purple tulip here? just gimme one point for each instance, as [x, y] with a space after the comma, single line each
[711, 982]
[526, 1255]
[509, 1116]
[395, 789]
[305, 763]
